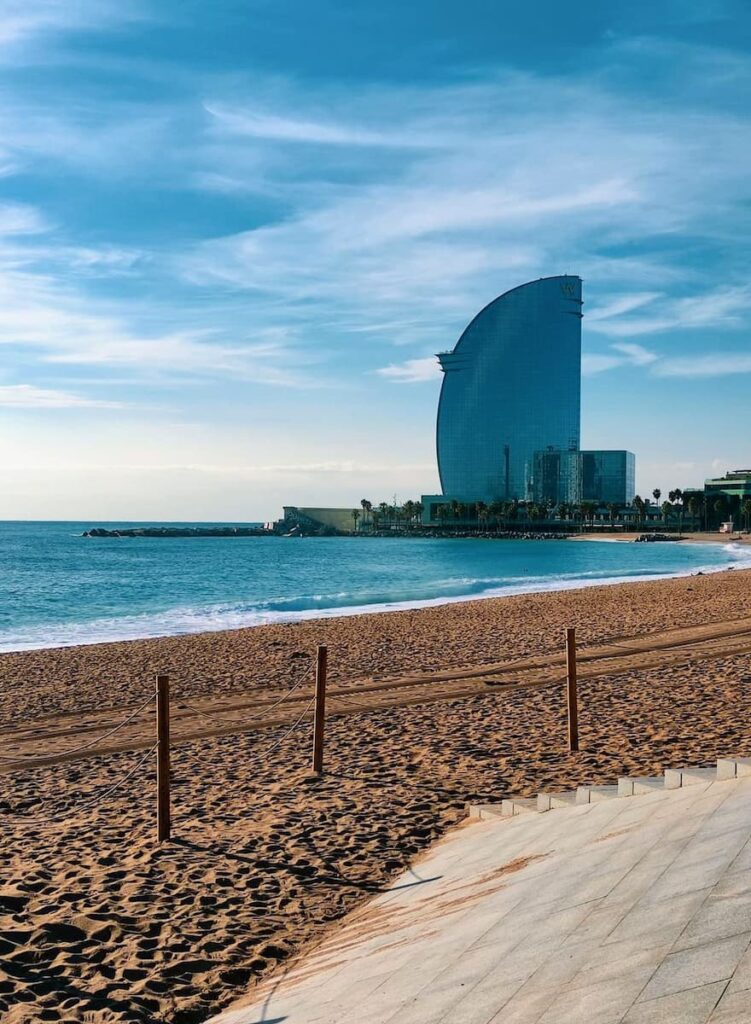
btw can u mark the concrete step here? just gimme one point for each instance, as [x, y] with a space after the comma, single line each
[484, 811]
[676, 778]
[594, 794]
[733, 767]
[550, 801]
[637, 785]
[510, 808]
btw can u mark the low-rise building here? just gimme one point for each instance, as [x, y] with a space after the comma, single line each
[735, 484]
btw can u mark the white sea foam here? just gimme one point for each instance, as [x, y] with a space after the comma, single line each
[229, 616]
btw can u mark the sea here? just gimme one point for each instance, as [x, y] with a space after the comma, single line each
[59, 588]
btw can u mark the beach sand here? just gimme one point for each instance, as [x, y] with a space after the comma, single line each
[98, 923]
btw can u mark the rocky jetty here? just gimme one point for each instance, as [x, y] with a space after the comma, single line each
[180, 531]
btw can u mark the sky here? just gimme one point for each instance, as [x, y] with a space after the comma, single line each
[234, 235]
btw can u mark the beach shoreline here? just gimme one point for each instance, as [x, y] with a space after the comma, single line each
[701, 537]
[173, 622]
[106, 925]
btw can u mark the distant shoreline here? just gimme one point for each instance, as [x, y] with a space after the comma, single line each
[693, 538]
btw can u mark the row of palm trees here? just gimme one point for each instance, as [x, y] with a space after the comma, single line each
[385, 515]
[700, 511]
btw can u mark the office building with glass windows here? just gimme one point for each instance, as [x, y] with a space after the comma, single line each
[511, 387]
[604, 477]
[509, 412]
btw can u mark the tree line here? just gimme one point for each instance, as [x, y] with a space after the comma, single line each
[702, 511]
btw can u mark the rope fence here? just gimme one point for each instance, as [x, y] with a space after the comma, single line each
[161, 747]
[92, 743]
[313, 708]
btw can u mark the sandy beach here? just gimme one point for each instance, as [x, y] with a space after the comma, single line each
[98, 923]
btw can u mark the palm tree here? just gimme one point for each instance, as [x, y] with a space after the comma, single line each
[588, 511]
[408, 508]
[693, 508]
[612, 512]
[383, 510]
[419, 509]
[666, 508]
[355, 517]
[481, 511]
[746, 510]
[720, 507]
[495, 511]
[367, 508]
[656, 493]
[564, 510]
[639, 505]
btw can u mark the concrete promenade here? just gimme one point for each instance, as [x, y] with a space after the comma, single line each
[632, 909]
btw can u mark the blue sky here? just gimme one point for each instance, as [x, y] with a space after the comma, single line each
[232, 236]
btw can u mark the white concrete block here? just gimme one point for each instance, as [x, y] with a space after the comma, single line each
[637, 785]
[677, 778]
[595, 794]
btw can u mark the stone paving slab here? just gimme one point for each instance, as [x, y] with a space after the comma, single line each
[618, 911]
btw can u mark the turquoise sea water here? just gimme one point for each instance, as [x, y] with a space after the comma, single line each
[59, 588]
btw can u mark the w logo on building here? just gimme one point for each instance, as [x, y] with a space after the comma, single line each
[568, 288]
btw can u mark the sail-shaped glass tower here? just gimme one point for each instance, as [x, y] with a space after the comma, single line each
[511, 387]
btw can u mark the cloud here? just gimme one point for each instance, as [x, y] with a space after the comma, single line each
[621, 354]
[716, 364]
[260, 125]
[709, 364]
[719, 307]
[635, 354]
[63, 328]
[619, 305]
[21, 219]
[23, 19]
[428, 233]
[28, 396]
[413, 371]
[596, 362]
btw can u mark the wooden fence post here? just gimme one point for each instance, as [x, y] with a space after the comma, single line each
[162, 759]
[571, 690]
[319, 717]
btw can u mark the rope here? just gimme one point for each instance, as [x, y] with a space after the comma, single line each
[253, 718]
[357, 703]
[96, 798]
[294, 725]
[20, 759]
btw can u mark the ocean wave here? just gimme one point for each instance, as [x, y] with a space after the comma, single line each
[238, 615]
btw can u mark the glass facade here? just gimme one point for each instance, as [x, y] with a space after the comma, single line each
[605, 477]
[608, 477]
[556, 477]
[511, 388]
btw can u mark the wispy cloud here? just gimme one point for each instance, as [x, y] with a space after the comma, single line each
[21, 219]
[28, 396]
[441, 227]
[64, 329]
[715, 364]
[21, 20]
[619, 305]
[718, 307]
[635, 354]
[262, 125]
[413, 371]
[619, 354]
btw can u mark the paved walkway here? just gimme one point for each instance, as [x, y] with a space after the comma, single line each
[633, 910]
